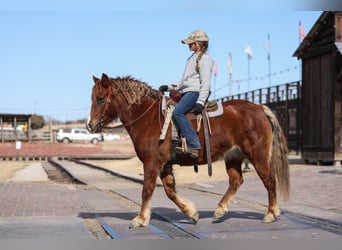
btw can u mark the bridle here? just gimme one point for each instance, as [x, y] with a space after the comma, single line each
[101, 123]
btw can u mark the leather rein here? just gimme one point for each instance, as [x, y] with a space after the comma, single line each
[130, 122]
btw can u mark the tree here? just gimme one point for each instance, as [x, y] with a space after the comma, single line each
[37, 121]
[51, 120]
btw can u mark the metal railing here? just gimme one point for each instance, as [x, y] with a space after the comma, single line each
[283, 92]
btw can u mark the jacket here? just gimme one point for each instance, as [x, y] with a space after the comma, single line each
[196, 81]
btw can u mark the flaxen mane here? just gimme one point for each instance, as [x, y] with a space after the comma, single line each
[133, 90]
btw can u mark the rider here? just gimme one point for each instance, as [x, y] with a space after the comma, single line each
[194, 88]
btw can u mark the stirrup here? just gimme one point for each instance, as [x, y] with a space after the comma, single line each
[193, 153]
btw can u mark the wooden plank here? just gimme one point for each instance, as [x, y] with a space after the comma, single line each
[318, 105]
[327, 101]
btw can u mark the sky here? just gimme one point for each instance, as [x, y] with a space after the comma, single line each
[49, 51]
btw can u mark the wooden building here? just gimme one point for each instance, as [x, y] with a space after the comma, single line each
[15, 127]
[321, 55]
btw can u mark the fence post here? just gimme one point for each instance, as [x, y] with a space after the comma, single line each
[29, 134]
[2, 130]
[277, 94]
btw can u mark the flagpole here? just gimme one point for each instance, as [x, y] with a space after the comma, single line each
[230, 71]
[215, 71]
[249, 53]
[267, 47]
[248, 60]
[301, 36]
[269, 61]
[214, 87]
[269, 69]
[299, 61]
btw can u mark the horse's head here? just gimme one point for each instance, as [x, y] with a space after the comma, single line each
[124, 98]
[101, 114]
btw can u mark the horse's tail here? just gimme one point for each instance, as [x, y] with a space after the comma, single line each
[278, 160]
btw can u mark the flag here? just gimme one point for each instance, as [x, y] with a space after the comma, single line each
[215, 69]
[267, 45]
[230, 64]
[302, 32]
[249, 53]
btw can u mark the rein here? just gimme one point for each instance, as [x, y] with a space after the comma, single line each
[140, 116]
[128, 123]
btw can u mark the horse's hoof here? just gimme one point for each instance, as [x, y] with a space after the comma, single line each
[219, 213]
[195, 217]
[277, 212]
[192, 212]
[269, 218]
[136, 222]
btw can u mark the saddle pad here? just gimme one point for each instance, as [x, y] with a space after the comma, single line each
[217, 112]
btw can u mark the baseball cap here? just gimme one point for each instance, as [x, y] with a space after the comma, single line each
[196, 36]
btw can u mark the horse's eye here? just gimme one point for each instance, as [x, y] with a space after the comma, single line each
[100, 99]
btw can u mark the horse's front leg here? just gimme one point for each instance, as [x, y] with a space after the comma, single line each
[169, 183]
[151, 171]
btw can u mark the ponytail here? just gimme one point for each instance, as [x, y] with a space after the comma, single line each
[203, 45]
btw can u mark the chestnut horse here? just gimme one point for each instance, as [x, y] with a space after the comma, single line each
[244, 131]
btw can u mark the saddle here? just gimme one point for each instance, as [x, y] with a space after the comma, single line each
[211, 109]
[211, 106]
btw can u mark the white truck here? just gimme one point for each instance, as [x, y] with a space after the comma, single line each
[78, 134]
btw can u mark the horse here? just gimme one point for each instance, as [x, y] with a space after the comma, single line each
[245, 130]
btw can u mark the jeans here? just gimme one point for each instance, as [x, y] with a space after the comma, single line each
[187, 102]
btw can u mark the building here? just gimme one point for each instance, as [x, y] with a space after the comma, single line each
[321, 55]
[14, 127]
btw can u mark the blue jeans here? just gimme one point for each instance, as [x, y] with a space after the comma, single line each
[187, 102]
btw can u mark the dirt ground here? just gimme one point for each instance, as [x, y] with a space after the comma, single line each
[9, 168]
[183, 175]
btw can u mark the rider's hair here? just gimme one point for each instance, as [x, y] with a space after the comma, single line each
[203, 45]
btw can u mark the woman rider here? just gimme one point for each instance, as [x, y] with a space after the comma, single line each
[194, 88]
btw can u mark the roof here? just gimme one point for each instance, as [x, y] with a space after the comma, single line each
[312, 34]
[10, 117]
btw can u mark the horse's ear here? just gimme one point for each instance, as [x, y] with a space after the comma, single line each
[95, 79]
[105, 80]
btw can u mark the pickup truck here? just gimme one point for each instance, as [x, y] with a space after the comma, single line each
[78, 134]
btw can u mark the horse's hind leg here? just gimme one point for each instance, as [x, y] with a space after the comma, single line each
[169, 183]
[265, 174]
[233, 168]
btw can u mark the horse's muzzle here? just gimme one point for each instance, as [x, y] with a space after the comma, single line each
[95, 129]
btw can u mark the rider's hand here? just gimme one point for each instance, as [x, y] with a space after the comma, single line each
[163, 88]
[198, 109]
